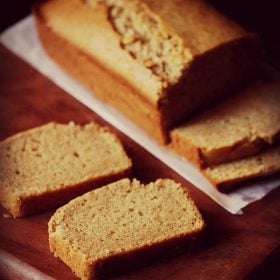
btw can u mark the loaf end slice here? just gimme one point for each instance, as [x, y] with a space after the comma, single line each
[226, 176]
[237, 128]
[123, 225]
[47, 166]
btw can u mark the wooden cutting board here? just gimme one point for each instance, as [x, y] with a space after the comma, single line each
[234, 246]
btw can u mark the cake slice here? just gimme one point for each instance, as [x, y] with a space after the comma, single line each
[226, 176]
[47, 166]
[123, 225]
[239, 127]
[171, 58]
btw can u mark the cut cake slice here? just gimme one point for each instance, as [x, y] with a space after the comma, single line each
[226, 176]
[123, 225]
[47, 166]
[239, 127]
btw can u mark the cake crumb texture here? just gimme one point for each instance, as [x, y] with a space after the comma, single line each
[145, 37]
[43, 166]
[239, 127]
[226, 176]
[119, 221]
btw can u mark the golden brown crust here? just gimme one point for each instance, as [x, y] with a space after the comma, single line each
[73, 258]
[108, 87]
[231, 54]
[90, 31]
[186, 149]
[211, 76]
[199, 24]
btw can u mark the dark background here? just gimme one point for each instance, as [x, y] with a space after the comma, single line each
[262, 17]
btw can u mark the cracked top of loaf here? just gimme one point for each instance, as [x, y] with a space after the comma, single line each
[151, 44]
[163, 36]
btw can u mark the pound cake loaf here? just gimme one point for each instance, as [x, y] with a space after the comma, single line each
[47, 166]
[156, 61]
[122, 225]
[239, 127]
[227, 175]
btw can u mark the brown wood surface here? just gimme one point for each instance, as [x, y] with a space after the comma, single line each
[234, 246]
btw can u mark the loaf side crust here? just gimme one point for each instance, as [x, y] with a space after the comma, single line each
[90, 31]
[186, 149]
[105, 85]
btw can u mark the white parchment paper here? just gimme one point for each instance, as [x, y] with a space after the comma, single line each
[22, 39]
